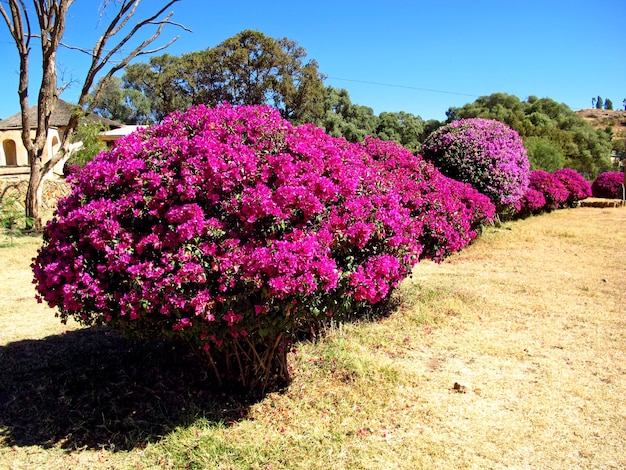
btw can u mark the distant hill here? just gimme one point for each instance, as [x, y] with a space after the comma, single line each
[603, 118]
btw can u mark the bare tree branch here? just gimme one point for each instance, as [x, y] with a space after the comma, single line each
[100, 58]
[51, 16]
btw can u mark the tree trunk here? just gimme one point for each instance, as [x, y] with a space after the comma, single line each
[33, 195]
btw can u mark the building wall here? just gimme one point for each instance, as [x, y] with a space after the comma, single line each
[13, 154]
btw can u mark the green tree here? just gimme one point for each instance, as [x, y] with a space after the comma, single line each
[122, 104]
[344, 119]
[608, 104]
[162, 83]
[249, 68]
[401, 127]
[544, 154]
[561, 136]
[599, 102]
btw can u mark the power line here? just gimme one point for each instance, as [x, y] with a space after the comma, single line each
[404, 86]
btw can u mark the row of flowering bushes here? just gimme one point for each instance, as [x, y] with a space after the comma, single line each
[491, 157]
[233, 230]
[550, 191]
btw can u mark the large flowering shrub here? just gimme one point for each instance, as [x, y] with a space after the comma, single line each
[450, 212]
[232, 229]
[554, 191]
[484, 153]
[532, 202]
[608, 185]
[549, 191]
[577, 186]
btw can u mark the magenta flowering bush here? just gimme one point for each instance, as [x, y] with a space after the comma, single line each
[577, 186]
[545, 193]
[485, 153]
[608, 185]
[450, 213]
[233, 230]
[532, 202]
[553, 190]
[550, 191]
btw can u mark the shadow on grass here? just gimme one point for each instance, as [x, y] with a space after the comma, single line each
[92, 388]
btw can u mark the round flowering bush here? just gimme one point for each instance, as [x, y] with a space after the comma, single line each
[545, 193]
[233, 230]
[549, 191]
[484, 153]
[608, 185]
[532, 202]
[577, 186]
[553, 190]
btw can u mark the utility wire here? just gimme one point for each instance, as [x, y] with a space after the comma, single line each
[404, 86]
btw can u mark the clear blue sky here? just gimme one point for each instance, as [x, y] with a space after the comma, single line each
[419, 56]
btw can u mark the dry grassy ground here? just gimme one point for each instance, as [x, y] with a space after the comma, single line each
[509, 355]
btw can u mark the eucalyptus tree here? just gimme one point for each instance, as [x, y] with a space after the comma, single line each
[248, 68]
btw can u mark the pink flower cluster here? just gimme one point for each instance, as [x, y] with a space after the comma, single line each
[485, 153]
[577, 186]
[230, 223]
[550, 191]
[608, 185]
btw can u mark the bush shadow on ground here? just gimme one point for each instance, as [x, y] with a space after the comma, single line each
[91, 388]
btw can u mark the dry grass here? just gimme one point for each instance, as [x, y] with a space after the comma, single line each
[529, 323]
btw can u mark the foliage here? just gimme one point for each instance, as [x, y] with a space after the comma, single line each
[484, 153]
[247, 69]
[553, 132]
[608, 185]
[122, 104]
[89, 135]
[12, 215]
[402, 127]
[344, 119]
[544, 154]
[599, 102]
[233, 229]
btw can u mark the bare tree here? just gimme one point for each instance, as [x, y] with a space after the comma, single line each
[50, 18]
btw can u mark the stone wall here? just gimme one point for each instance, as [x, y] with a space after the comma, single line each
[14, 191]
